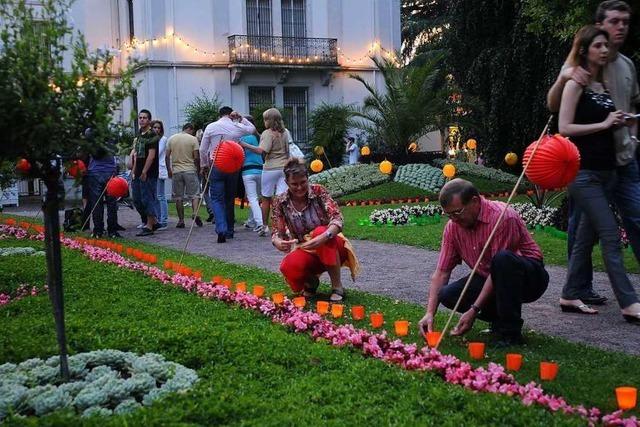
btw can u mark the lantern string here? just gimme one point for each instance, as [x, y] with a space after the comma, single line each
[493, 231]
[197, 212]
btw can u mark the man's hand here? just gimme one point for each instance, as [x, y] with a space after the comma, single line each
[235, 116]
[169, 173]
[465, 323]
[143, 176]
[577, 74]
[204, 171]
[426, 323]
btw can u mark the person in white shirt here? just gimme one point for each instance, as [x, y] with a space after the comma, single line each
[353, 151]
[222, 186]
[158, 128]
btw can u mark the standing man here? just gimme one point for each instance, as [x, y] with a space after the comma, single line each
[102, 166]
[511, 273]
[183, 162]
[620, 79]
[145, 172]
[353, 151]
[222, 186]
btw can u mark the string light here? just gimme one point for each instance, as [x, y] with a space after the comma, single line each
[374, 48]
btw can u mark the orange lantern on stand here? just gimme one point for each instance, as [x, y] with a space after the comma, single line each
[117, 187]
[472, 144]
[555, 164]
[386, 167]
[23, 166]
[511, 158]
[77, 169]
[228, 157]
[316, 165]
[413, 147]
[365, 151]
[449, 170]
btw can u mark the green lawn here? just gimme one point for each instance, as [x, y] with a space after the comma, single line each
[257, 373]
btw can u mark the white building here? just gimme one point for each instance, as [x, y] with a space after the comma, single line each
[295, 54]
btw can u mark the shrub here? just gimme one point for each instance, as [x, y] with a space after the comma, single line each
[422, 176]
[349, 179]
[328, 125]
[479, 171]
[202, 110]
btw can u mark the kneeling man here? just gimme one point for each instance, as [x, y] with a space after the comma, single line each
[510, 273]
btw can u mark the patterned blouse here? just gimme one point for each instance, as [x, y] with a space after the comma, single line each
[321, 209]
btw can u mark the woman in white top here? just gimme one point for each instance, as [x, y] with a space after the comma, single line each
[163, 220]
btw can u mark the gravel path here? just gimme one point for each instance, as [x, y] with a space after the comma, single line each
[403, 272]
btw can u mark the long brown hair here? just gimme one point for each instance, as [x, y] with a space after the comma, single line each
[580, 49]
[273, 121]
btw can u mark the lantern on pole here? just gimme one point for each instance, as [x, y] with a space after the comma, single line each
[555, 163]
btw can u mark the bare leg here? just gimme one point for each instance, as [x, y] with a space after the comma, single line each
[265, 205]
[336, 280]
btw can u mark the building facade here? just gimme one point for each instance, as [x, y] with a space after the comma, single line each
[294, 54]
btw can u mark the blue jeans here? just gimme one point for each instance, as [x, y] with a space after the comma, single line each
[145, 196]
[590, 191]
[162, 202]
[222, 190]
[97, 182]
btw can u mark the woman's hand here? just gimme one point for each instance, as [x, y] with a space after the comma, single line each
[284, 245]
[315, 242]
[615, 118]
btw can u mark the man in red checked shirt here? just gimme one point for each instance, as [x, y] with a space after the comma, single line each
[511, 272]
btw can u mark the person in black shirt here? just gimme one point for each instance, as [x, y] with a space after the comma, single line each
[588, 116]
[145, 172]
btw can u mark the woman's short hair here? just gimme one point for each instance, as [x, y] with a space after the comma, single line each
[460, 187]
[273, 120]
[581, 42]
[295, 167]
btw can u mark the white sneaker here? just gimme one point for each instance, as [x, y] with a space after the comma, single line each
[141, 226]
[262, 230]
[250, 225]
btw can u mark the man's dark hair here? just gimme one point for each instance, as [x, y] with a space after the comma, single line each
[187, 126]
[225, 111]
[147, 112]
[461, 187]
[605, 6]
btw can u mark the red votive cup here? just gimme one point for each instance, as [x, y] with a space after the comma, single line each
[357, 312]
[476, 350]
[377, 320]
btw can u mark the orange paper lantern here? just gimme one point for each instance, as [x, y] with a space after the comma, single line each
[228, 157]
[413, 147]
[77, 168]
[23, 166]
[476, 350]
[317, 165]
[318, 150]
[511, 159]
[117, 187]
[386, 167]
[555, 164]
[472, 144]
[449, 170]
[365, 151]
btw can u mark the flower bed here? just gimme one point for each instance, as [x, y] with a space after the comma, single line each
[349, 179]
[480, 171]
[419, 215]
[492, 379]
[103, 382]
[23, 291]
[535, 217]
[422, 176]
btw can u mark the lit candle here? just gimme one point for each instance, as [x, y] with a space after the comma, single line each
[548, 371]
[241, 287]
[476, 350]
[514, 361]
[401, 327]
[299, 302]
[337, 310]
[277, 298]
[627, 397]
[258, 290]
[357, 312]
[227, 283]
[322, 307]
[377, 320]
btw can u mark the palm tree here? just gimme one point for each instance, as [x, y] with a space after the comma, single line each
[414, 102]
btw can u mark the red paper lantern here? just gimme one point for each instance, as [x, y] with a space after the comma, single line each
[555, 164]
[23, 166]
[77, 168]
[228, 157]
[117, 187]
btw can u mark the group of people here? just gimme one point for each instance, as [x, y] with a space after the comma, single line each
[595, 96]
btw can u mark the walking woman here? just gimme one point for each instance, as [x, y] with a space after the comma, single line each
[252, 180]
[158, 128]
[588, 116]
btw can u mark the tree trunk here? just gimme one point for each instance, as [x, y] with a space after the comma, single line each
[54, 267]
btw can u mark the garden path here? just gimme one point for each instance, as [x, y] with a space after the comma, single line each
[402, 272]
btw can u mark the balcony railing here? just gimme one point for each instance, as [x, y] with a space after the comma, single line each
[272, 50]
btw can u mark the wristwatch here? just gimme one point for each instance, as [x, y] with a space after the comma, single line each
[329, 234]
[475, 308]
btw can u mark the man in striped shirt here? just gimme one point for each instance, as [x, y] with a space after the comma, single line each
[510, 273]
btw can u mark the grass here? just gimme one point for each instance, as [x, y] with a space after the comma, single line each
[256, 373]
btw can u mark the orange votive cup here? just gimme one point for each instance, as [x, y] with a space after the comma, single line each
[168, 265]
[258, 290]
[377, 319]
[322, 307]
[476, 350]
[300, 302]
[514, 361]
[153, 259]
[197, 274]
[227, 283]
[432, 338]
[627, 397]
[337, 310]
[357, 312]
[241, 287]
[401, 327]
[548, 371]
[217, 280]
[277, 298]
[128, 251]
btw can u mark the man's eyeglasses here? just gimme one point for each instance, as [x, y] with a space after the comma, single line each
[456, 213]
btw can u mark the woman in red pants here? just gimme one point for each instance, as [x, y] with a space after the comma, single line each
[307, 225]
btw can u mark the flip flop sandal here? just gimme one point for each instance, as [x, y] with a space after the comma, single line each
[580, 309]
[337, 295]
